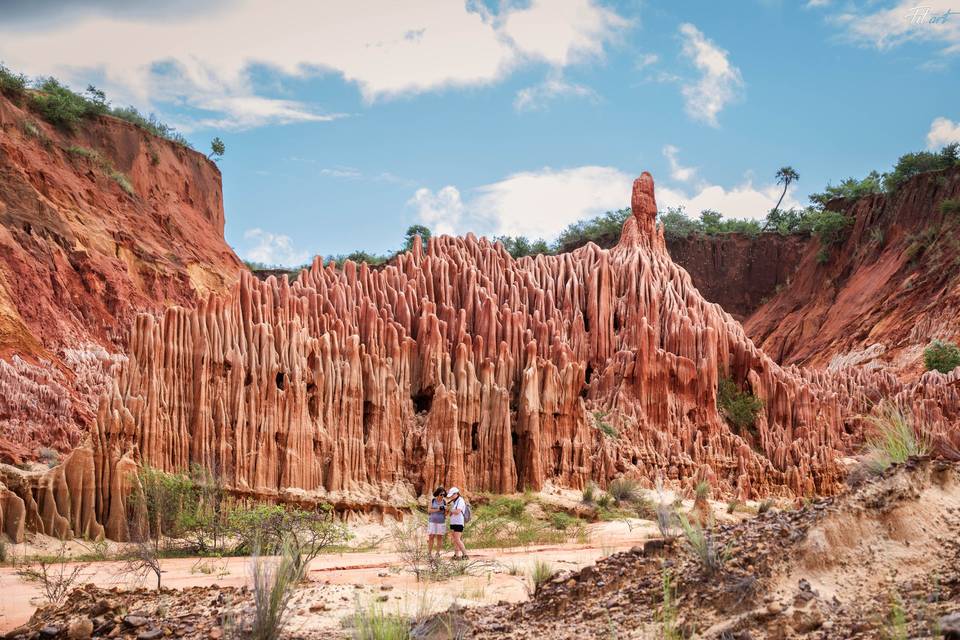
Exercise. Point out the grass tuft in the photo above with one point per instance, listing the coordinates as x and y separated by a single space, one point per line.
540 574
894 438
624 490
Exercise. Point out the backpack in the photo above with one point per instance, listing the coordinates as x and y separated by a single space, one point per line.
466 511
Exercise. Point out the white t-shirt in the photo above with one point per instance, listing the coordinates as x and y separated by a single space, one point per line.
459 503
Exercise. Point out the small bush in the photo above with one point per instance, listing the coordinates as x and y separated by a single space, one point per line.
623 490
273 585
823 255
55 577
63 108
702 490
830 227
894 438
149 124
562 520
12 84
877 236
604 501
589 493
765 506
941 356
738 407
703 545
732 506
911 164
3 550
950 206
103 165
850 188
371 622
541 574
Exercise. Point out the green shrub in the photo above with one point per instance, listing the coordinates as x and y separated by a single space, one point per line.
603 230
740 408
149 124
941 356
823 255
562 520
520 246
850 188
12 85
121 179
911 164
607 429
60 106
604 501
830 227
950 206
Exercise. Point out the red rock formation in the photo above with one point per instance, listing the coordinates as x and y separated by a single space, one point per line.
80 257
457 364
892 287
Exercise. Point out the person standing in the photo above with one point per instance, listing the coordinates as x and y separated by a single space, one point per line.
456 507
436 521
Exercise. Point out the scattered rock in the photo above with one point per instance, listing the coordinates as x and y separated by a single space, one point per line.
80 629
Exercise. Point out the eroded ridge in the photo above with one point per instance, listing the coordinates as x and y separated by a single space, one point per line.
456 364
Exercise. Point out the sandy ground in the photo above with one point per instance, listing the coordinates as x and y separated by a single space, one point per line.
337 582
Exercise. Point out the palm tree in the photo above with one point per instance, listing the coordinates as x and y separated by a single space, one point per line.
785 175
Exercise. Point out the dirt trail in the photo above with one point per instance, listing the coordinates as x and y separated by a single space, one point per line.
338 580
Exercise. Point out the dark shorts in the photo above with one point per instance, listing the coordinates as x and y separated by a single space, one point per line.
456 527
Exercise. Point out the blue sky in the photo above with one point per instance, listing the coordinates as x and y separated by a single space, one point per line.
347 122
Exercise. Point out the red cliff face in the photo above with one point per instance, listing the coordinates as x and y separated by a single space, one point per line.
739 272
457 364
892 286
80 257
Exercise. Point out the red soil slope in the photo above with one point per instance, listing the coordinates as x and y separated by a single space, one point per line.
893 285
80 257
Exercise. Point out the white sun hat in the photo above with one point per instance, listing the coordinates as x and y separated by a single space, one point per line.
453 491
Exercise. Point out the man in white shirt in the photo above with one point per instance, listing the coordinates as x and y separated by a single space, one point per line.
456 505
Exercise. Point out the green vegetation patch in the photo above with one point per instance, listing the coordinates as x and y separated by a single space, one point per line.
740 408
941 356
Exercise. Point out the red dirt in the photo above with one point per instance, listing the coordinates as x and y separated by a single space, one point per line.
80 257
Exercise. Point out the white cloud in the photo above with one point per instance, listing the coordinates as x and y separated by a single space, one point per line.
942 132
204 59
742 201
272 249
562 32
441 211
720 82
908 20
678 171
341 172
646 60
811 4
540 204
554 86
536 204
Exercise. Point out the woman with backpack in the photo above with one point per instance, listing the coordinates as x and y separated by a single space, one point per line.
459 512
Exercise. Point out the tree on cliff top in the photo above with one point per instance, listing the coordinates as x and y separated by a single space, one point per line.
217 148
785 176
413 231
